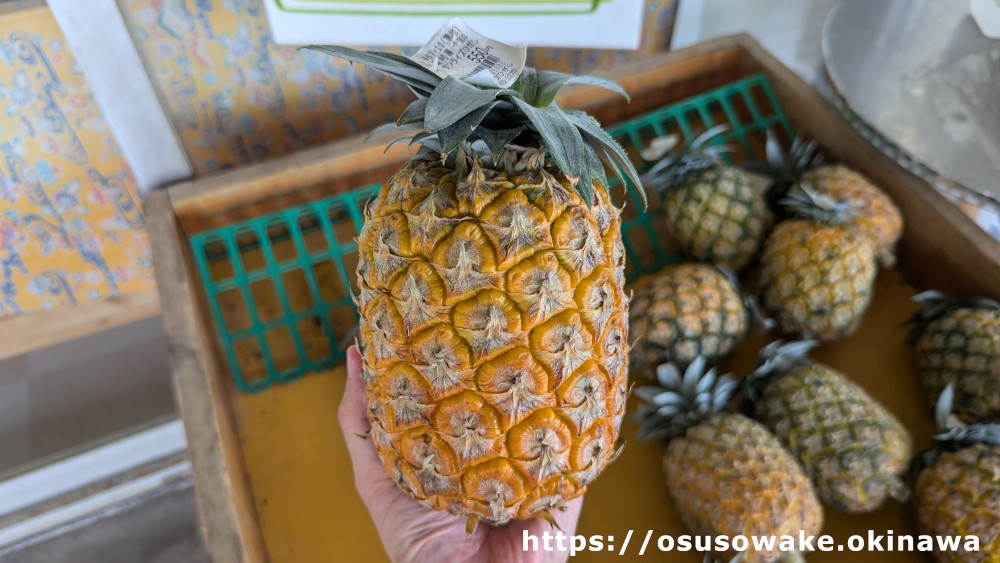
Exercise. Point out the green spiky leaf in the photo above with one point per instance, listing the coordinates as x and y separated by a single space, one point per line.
457 133
395 66
497 139
550 82
607 149
454 99
414 113
564 142
526 84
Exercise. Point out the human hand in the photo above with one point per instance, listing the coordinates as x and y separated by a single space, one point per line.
413 533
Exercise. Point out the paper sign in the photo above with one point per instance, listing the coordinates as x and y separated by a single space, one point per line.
605 24
458 50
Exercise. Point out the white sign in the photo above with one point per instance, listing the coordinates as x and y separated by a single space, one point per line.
605 24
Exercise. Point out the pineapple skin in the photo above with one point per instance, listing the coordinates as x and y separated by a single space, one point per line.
729 476
959 495
877 214
689 310
851 446
718 216
493 335
962 347
816 281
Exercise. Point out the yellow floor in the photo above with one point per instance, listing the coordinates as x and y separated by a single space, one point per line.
310 511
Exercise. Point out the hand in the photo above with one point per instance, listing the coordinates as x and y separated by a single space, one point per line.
413 533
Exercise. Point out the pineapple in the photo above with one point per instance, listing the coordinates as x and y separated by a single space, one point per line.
852 447
802 163
713 211
957 488
817 272
493 315
687 311
958 342
727 474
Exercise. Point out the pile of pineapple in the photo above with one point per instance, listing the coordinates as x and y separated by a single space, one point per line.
495 325
810 245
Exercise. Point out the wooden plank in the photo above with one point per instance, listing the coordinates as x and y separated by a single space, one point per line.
232 532
303 176
33 331
941 246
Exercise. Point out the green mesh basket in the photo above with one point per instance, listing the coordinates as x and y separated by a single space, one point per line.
280 285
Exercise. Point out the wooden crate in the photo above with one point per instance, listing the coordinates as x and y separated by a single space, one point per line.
271 472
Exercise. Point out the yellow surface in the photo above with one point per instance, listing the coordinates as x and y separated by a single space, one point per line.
71 229
310 511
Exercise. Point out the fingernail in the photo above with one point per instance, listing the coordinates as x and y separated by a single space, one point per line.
353 361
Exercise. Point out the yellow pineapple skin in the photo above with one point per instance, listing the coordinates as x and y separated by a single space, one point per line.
493 333
877 214
816 281
851 446
688 310
962 348
959 495
729 476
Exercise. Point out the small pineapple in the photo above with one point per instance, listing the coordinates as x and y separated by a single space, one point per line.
728 475
689 310
817 272
713 210
802 162
493 321
957 488
852 447
957 342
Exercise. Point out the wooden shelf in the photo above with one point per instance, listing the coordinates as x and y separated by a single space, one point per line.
32 331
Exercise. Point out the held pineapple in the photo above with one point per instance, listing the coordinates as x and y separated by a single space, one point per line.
493 318
689 310
876 212
727 474
854 449
957 489
958 342
713 211
817 272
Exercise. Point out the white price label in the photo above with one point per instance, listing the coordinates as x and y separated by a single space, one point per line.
459 51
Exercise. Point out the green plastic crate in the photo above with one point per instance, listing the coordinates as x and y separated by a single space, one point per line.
236 261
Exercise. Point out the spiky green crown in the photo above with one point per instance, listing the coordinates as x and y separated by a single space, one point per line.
786 167
774 360
936 304
952 434
805 202
681 401
696 155
450 113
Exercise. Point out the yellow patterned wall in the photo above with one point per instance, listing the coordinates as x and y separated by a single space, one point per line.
235 97
70 226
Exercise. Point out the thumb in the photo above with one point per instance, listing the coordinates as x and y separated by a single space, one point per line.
353 406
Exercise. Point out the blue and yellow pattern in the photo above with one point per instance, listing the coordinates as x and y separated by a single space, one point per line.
70 225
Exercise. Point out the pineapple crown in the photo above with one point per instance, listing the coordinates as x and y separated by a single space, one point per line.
776 359
679 401
674 167
935 305
953 434
785 167
450 114
804 201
